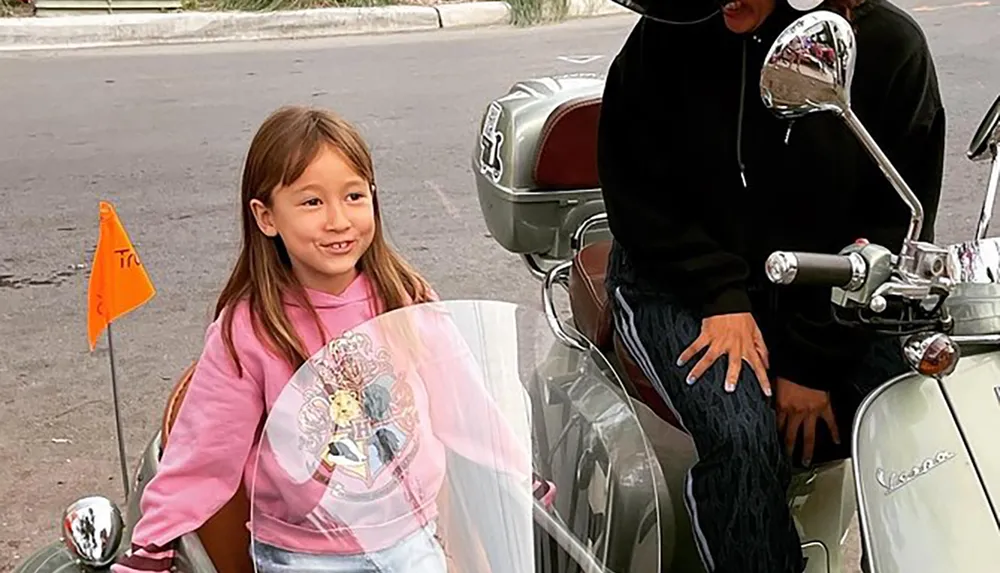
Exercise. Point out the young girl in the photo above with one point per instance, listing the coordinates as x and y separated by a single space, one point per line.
314 265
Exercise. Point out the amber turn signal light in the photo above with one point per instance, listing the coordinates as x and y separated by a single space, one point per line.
932 353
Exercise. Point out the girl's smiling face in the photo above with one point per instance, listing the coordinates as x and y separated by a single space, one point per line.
325 219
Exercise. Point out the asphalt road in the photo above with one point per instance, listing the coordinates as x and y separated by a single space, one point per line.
161 132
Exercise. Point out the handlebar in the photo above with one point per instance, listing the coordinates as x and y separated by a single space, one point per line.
868 288
844 271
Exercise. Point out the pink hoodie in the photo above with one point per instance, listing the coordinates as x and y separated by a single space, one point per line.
364 497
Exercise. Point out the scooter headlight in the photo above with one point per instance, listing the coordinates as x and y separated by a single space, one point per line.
932 353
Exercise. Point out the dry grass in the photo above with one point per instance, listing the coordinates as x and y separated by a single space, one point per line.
14 8
530 12
523 12
272 5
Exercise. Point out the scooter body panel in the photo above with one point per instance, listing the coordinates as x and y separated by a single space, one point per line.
975 399
823 505
922 505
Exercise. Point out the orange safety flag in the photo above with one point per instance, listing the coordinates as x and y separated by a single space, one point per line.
118 281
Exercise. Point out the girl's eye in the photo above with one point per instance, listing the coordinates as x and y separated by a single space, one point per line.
355 196
311 202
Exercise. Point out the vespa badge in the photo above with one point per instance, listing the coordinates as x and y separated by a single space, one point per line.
895 480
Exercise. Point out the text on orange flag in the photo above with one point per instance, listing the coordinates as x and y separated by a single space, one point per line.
118 281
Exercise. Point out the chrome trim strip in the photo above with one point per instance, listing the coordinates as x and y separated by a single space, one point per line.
859 272
560 274
576 241
976 338
534 268
986 213
826 552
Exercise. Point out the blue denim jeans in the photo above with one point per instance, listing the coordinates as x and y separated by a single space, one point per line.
420 552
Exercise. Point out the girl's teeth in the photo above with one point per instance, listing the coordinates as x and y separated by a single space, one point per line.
731 6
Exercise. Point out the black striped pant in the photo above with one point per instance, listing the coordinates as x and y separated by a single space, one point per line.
736 492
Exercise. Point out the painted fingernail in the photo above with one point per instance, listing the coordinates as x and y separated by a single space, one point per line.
806 462
690 380
730 387
767 391
680 362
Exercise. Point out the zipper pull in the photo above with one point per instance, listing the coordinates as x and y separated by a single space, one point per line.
788 133
743 176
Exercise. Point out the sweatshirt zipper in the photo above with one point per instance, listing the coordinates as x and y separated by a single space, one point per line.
739 125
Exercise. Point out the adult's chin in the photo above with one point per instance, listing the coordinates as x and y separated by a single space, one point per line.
740 25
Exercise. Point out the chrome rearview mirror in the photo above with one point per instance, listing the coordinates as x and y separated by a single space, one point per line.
809 69
987 139
92 531
810 66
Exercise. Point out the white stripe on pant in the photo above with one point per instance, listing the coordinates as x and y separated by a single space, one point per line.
630 337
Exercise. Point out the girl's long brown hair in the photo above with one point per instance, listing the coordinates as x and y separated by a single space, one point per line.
284 146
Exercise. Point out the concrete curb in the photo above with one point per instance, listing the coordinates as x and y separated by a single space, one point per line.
62 32
473 14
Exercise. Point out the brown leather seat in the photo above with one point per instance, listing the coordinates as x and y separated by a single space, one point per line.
224 535
588 300
647 394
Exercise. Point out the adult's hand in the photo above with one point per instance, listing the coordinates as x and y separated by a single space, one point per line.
736 336
800 407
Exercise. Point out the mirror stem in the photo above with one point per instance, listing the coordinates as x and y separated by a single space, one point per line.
916 209
991 195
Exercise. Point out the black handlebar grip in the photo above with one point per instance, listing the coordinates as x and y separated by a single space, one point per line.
844 271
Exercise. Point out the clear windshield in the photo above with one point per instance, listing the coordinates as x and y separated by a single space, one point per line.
458 436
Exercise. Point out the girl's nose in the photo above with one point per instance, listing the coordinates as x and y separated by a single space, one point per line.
336 216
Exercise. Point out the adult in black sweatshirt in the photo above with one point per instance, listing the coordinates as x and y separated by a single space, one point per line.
701 183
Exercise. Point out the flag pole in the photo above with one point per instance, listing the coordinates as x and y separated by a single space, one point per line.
118 416
107 300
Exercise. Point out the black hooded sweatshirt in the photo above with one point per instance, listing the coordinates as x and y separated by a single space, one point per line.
701 182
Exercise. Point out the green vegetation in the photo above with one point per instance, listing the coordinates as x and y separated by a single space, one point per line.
531 12
12 8
272 5
523 12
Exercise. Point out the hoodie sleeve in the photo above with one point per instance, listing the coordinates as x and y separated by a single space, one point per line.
638 166
202 464
912 135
